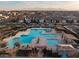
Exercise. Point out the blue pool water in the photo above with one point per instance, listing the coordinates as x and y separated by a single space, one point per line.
34 33
53 42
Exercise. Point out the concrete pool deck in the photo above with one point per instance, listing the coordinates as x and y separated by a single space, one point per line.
23 32
42 42
17 35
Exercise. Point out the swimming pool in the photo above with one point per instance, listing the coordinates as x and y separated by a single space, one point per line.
34 33
53 42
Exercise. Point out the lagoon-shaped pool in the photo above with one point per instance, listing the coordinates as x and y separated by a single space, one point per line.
35 33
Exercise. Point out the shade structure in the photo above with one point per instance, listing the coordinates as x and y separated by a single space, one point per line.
67 48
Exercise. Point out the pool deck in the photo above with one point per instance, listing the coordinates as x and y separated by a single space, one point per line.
17 35
42 41
23 33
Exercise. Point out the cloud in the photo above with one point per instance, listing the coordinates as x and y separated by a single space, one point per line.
64 5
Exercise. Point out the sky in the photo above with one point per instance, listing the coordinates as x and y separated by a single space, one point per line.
39 5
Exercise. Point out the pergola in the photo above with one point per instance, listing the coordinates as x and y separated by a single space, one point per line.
70 38
65 47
